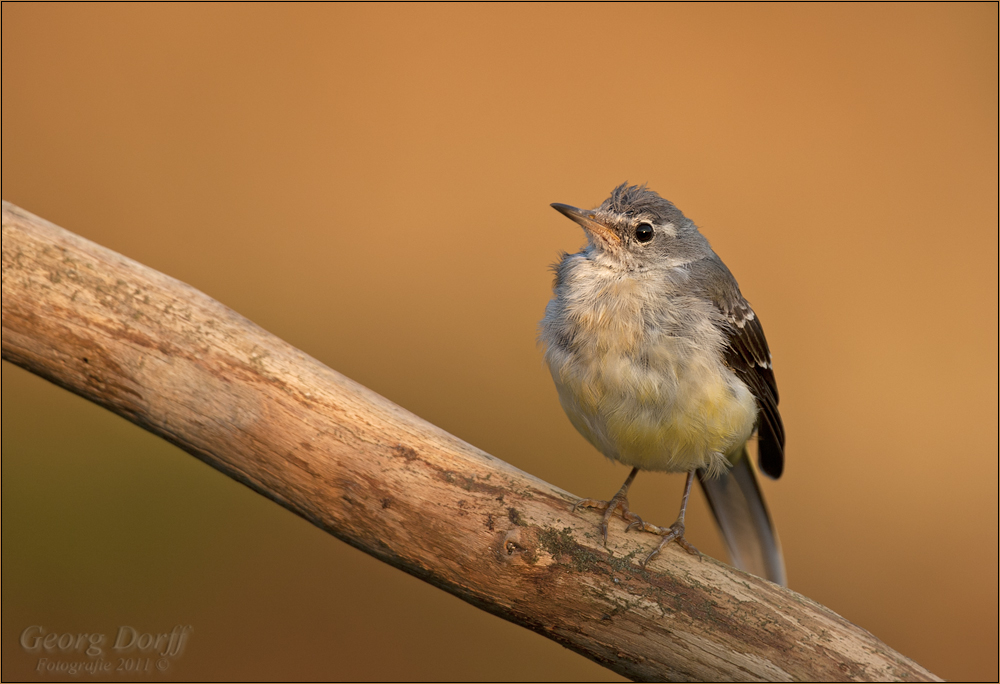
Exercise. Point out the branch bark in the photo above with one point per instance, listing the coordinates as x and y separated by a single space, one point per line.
183 366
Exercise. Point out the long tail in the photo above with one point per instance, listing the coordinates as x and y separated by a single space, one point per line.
742 517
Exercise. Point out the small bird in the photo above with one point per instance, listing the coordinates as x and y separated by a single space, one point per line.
662 364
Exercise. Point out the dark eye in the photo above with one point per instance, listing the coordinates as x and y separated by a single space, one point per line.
644 232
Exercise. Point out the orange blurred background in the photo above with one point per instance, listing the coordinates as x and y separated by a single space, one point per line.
371 183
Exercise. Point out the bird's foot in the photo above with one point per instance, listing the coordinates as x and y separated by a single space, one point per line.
618 502
674 533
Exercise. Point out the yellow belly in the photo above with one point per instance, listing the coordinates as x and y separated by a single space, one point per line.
632 379
658 404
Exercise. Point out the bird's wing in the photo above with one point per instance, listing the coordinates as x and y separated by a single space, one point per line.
747 354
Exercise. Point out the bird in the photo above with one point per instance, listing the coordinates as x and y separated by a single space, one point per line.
662 364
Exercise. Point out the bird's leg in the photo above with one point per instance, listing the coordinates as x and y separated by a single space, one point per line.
673 533
619 500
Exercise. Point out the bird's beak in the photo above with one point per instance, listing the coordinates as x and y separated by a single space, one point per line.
589 222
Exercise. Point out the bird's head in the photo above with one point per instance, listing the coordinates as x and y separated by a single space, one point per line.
635 229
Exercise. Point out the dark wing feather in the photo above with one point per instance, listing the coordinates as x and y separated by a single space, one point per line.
747 354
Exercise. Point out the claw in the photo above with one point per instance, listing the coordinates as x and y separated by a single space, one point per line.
636 522
674 533
619 501
609 507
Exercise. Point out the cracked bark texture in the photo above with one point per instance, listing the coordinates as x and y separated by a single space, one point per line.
185 367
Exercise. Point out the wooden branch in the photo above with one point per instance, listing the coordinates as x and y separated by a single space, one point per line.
185 367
